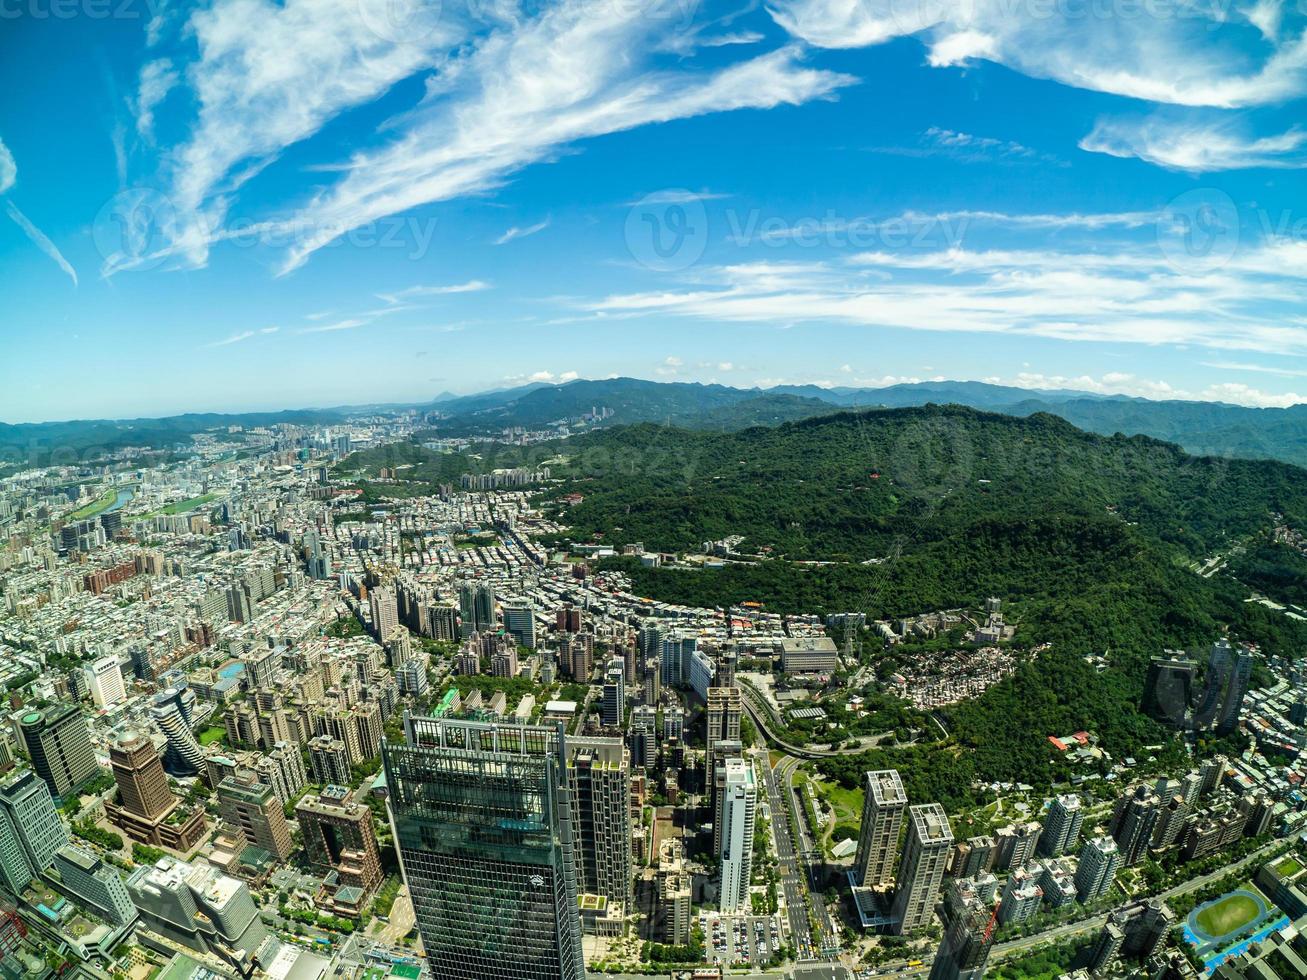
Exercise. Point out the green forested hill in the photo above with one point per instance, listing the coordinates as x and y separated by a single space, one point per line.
852 485
1088 539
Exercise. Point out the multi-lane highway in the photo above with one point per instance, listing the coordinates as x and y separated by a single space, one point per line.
787 858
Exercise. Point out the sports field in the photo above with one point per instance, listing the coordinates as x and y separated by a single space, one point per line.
1229 915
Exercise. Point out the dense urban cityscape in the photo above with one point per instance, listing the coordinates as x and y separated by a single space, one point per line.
276 705
677 489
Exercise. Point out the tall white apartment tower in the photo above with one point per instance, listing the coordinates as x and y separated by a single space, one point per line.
737 806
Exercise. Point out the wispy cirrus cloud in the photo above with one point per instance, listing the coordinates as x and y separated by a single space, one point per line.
506 89
418 292
237 338
573 73
8 178
158 78
1181 54
1196 145
516 232
1122 293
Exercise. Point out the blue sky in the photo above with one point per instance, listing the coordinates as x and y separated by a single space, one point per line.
246 204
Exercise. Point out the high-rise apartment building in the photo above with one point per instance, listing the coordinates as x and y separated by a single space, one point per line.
737 804
184 756
1062 826
926 855
1136 816
725 708
1099 861
484 826
883 804
968 938
613 703
601 816
385 612
338 836
59 745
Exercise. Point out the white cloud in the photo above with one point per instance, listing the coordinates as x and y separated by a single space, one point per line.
1241 394
236 338
515 232
157 79
416 292
675 196
39 239
1195 146
270 74
670 366
1118 293
1185 53
8 169
9 177
520 98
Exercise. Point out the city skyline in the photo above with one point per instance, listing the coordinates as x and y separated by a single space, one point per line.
809 193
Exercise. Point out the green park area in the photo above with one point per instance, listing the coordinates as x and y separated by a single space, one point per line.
182 506
1229 915
100 503
213 733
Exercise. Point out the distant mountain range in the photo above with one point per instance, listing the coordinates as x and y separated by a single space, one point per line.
1208 428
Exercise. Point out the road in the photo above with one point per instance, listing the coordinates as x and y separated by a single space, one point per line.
829 938
787 860
761 719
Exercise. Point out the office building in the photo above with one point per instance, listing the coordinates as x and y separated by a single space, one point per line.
146 809
31 832
198 907
921 871
253 807
59 745
1099 860
1061 831
89 880
883 804
737 803
485 831
520 623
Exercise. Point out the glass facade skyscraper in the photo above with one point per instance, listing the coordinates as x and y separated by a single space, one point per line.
483 822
